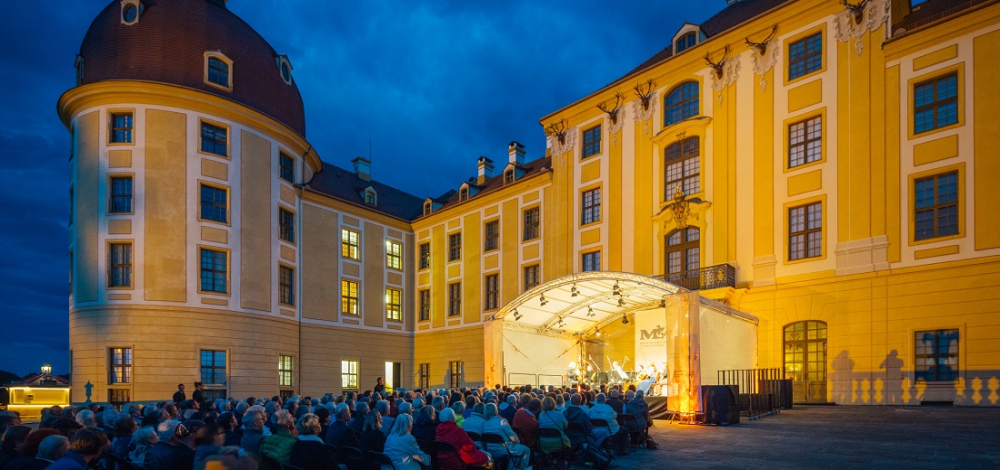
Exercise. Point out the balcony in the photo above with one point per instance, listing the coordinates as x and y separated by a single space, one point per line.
711 277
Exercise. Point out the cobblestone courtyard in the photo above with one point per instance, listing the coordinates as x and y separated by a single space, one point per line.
838 437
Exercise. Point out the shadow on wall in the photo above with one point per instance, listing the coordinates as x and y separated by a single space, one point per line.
893 384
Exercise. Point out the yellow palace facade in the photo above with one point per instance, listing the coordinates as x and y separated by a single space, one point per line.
823 168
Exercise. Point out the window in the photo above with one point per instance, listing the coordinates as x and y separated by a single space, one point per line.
936 355
805 141
463 194
427 208
425 305
425 255
349 375
118 396
286 168
683 167
683 258
454 299
285 69
349 297
71 274
120 366
214 139
936 205
214 204
492 291
79 70
424 379
130 12
492 241
285 371
531 223
120 265
592 261
393 309
592 141
805 231
286 285
286 225
591 206
371 198
218 72
455 246
393 255
686 42
456 370
935 103
213 367
681 103
214 267
121 128
805 56
530 277
350 244
508 177
121 195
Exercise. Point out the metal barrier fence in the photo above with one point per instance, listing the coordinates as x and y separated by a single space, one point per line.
535 380
762 392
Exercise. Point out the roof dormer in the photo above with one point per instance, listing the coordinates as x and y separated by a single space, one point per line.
687 37
370 196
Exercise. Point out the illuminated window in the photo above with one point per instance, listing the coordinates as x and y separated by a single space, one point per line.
119 396
120 265
425 255
935 103
492 237
681 103
805 56
531 224
936 355
530 277
805 141
349 375
686 41
286 168
393 255
805 231
214 139
936 206
455 246
120 366
590 206
424 379
121 195
213 367
285 371
592 261
455 299
393 307
286 225
425 305
492 292
350 244
592 141
682 161
121 128
286 285
214 204
349 297
214 267
456 373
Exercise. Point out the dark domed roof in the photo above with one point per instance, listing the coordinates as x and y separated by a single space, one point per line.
168 45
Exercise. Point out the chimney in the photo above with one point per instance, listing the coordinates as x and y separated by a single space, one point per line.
363 168
516 152
485 170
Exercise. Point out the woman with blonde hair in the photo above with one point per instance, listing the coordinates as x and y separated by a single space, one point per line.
309 452
372 439
401 447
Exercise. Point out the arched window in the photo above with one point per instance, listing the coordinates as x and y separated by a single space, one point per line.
682 167
686 42
805 360
681 103
683 258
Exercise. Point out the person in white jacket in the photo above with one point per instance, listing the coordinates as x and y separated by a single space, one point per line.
602 410
495 424
402 448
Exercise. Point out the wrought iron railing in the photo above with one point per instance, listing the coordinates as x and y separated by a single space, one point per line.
711 277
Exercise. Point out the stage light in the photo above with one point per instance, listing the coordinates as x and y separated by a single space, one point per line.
573 292
621 302
517 316
598 333
625 319
561 323
617 290
590 311
542 300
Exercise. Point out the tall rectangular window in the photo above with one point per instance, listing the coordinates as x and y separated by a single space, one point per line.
214 139
456 373
121 128
120 265
455 246
530 277
591 261
424 377
214 204
349 375
285 371
805 231
936 206
286 225
213 367
592 141
531 223
425 255
393 304
805 56
935 103
349 297
393 255
936 355
286 168
455 299
492 236
214 267
120 370
119 396
286 285
492 292
121 195
425 305
590 206
218 72
805 141
350 244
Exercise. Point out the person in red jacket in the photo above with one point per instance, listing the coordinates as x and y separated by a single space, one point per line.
449 432
526 422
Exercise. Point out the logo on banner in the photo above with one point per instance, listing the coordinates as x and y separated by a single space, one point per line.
658 333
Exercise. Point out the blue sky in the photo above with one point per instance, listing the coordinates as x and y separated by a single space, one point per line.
433 85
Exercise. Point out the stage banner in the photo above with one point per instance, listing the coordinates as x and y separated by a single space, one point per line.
650 338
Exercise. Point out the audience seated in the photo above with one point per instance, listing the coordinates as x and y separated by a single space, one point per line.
85 446
401 447
340 434
372 439
639 408
602 411
175 449
276 450
467 453
28 450
495 424
253 431
142 440
12 440
309 452
425 424
526 421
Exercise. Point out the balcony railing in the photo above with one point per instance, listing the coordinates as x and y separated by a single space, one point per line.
711 277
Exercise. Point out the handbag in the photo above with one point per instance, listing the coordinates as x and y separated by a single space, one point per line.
549 446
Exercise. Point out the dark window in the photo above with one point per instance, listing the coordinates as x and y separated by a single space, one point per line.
425 305
286 167
425 255
424 381
130 14
805 141
936 355
508 177
286 72
531 223
286 285
349 375
454 299
120 265
121 195
371 198
492 241
214 267
456 371
935 103
393 308
349 297
682 161
805 56
454 246
591 207
121 128
214 204
681 103
218 72
592 261
592 141
393 255
213 367
936 205
805 231
492 291
686 42
285 370
530 277
120 370
286 225
214 139
427 208
350 244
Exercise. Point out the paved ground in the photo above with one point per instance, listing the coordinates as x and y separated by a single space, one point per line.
837 437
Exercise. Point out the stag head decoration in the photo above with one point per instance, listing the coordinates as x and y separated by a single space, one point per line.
645 92
719 65
612 112
761 47
558 130
856 9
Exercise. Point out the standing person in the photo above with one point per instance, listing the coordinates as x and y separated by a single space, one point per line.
199 395
379 387
179 395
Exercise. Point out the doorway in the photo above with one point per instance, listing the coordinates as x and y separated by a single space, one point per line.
805 360
393 373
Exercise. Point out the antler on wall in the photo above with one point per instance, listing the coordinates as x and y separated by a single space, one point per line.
645 92
856 9
761 47
717 66
612 112
558 130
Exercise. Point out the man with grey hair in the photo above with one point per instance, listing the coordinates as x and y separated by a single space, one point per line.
382 407
253 430
357 424
339 434
51 448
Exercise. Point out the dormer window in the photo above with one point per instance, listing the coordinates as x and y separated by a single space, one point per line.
508 176
686 41
285 68
687 37
463 194
427 208
131 11
218 70
371 198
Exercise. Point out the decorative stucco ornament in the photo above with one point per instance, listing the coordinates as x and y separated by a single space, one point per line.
645 113
873 14
564 143
730 73
616 125
763 63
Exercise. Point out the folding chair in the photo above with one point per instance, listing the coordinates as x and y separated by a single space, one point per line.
600 423
477 439
556 458
380 460
488 439
354 458
637 432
